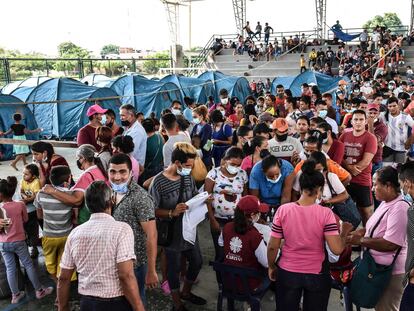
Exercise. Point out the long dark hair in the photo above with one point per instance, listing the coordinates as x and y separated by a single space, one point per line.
241 224
311 179
41 146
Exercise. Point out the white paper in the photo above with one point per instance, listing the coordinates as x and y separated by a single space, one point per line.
264 230
196 213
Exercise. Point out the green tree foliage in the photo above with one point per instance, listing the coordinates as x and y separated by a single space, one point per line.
109 49
388 20
152 66
70 50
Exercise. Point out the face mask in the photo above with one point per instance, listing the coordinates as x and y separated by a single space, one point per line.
120 188
282 137
110 124
223 113
176 111
258 109
255 218
103 119
280 95
125 123
274 181
232 169
324 137
390 87
224 101
323 113
184 171
79 164
307 154
407 196
264 153
196 120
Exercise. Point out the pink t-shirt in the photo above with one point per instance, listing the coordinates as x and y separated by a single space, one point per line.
393 228
88 176
247 164
16 211
135 168
304 229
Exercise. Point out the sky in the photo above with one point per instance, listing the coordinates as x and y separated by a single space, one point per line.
40 25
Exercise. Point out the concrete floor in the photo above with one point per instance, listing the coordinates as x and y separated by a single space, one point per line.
206 288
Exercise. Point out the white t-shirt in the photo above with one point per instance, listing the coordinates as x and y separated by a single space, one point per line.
224 205
168 147
336 184
284 149
333 124
397 130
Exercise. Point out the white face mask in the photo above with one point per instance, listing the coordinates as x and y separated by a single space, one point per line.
274 181
176 111
232 169
224 101
223 113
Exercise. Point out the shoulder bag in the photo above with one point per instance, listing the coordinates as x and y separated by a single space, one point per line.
165 226
370 279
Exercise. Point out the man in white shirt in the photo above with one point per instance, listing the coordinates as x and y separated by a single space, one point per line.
169 122
322 112
282 145
398 140
134 129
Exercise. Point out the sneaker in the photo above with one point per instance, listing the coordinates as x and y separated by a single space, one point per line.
166 288
17 297
195 300
41 293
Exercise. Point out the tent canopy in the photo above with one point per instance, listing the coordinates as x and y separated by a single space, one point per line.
9 105
236 86
29 82
285 81
146 95
94 78
64 119
198 89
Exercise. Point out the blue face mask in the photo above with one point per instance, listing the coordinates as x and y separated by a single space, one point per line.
120 188
184 171
408 198
323 113
196 120
274 181
103 119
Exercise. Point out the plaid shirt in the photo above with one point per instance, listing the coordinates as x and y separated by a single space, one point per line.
94 249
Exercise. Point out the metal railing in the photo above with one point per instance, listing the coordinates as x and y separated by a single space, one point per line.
400 29
16 69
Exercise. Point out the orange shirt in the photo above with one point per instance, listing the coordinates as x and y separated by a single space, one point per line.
333 167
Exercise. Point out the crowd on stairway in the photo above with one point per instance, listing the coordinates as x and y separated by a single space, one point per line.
291 187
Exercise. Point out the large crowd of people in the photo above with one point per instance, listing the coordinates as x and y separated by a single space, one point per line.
290 186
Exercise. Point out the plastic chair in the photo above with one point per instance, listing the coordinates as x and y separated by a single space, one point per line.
228 279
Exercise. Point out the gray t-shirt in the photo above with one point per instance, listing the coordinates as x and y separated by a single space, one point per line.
165 193
168 147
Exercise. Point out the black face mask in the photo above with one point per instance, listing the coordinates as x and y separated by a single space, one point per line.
280 95
110 124
79 164
324 137
264 153
282 137
125 123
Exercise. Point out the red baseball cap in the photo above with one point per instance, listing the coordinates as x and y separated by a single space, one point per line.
250 204
280 124
373 106
94 109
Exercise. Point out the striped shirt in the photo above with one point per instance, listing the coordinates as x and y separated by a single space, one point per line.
57 217
409 264
397 130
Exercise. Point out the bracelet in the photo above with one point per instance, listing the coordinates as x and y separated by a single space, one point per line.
170 214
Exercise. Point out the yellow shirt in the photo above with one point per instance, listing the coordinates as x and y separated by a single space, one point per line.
382 52
302 62
30 189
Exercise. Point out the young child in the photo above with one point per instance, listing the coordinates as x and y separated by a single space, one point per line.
19 133
29 187
13 243
57 220
302 63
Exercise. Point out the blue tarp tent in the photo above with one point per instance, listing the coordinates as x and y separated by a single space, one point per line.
64 119
94 78
285 81
10 105
146 95
198 89
345 37
236 86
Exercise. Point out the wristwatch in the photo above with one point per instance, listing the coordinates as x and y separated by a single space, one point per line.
170 214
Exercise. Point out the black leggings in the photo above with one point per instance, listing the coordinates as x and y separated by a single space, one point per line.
290 287
407 301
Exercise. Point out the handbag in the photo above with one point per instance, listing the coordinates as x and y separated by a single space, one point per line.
165 227
370 279
199 171
347 210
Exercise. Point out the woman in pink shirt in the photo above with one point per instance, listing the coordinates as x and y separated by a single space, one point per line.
257 150
13 241
389 236
125 144
304 226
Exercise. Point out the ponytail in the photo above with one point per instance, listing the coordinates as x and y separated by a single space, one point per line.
97 161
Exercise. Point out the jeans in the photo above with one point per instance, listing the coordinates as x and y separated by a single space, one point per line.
8 251
407 301
219 254
140 273
89 303
290 287
195 262
266 38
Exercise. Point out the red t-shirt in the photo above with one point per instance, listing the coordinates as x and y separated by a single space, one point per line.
235 120
355 147
239 249
86 135
381 132
336 152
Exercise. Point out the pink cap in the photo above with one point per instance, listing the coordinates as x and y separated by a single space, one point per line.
94 109
373 106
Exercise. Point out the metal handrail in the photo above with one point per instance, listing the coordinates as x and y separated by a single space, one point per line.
403 29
